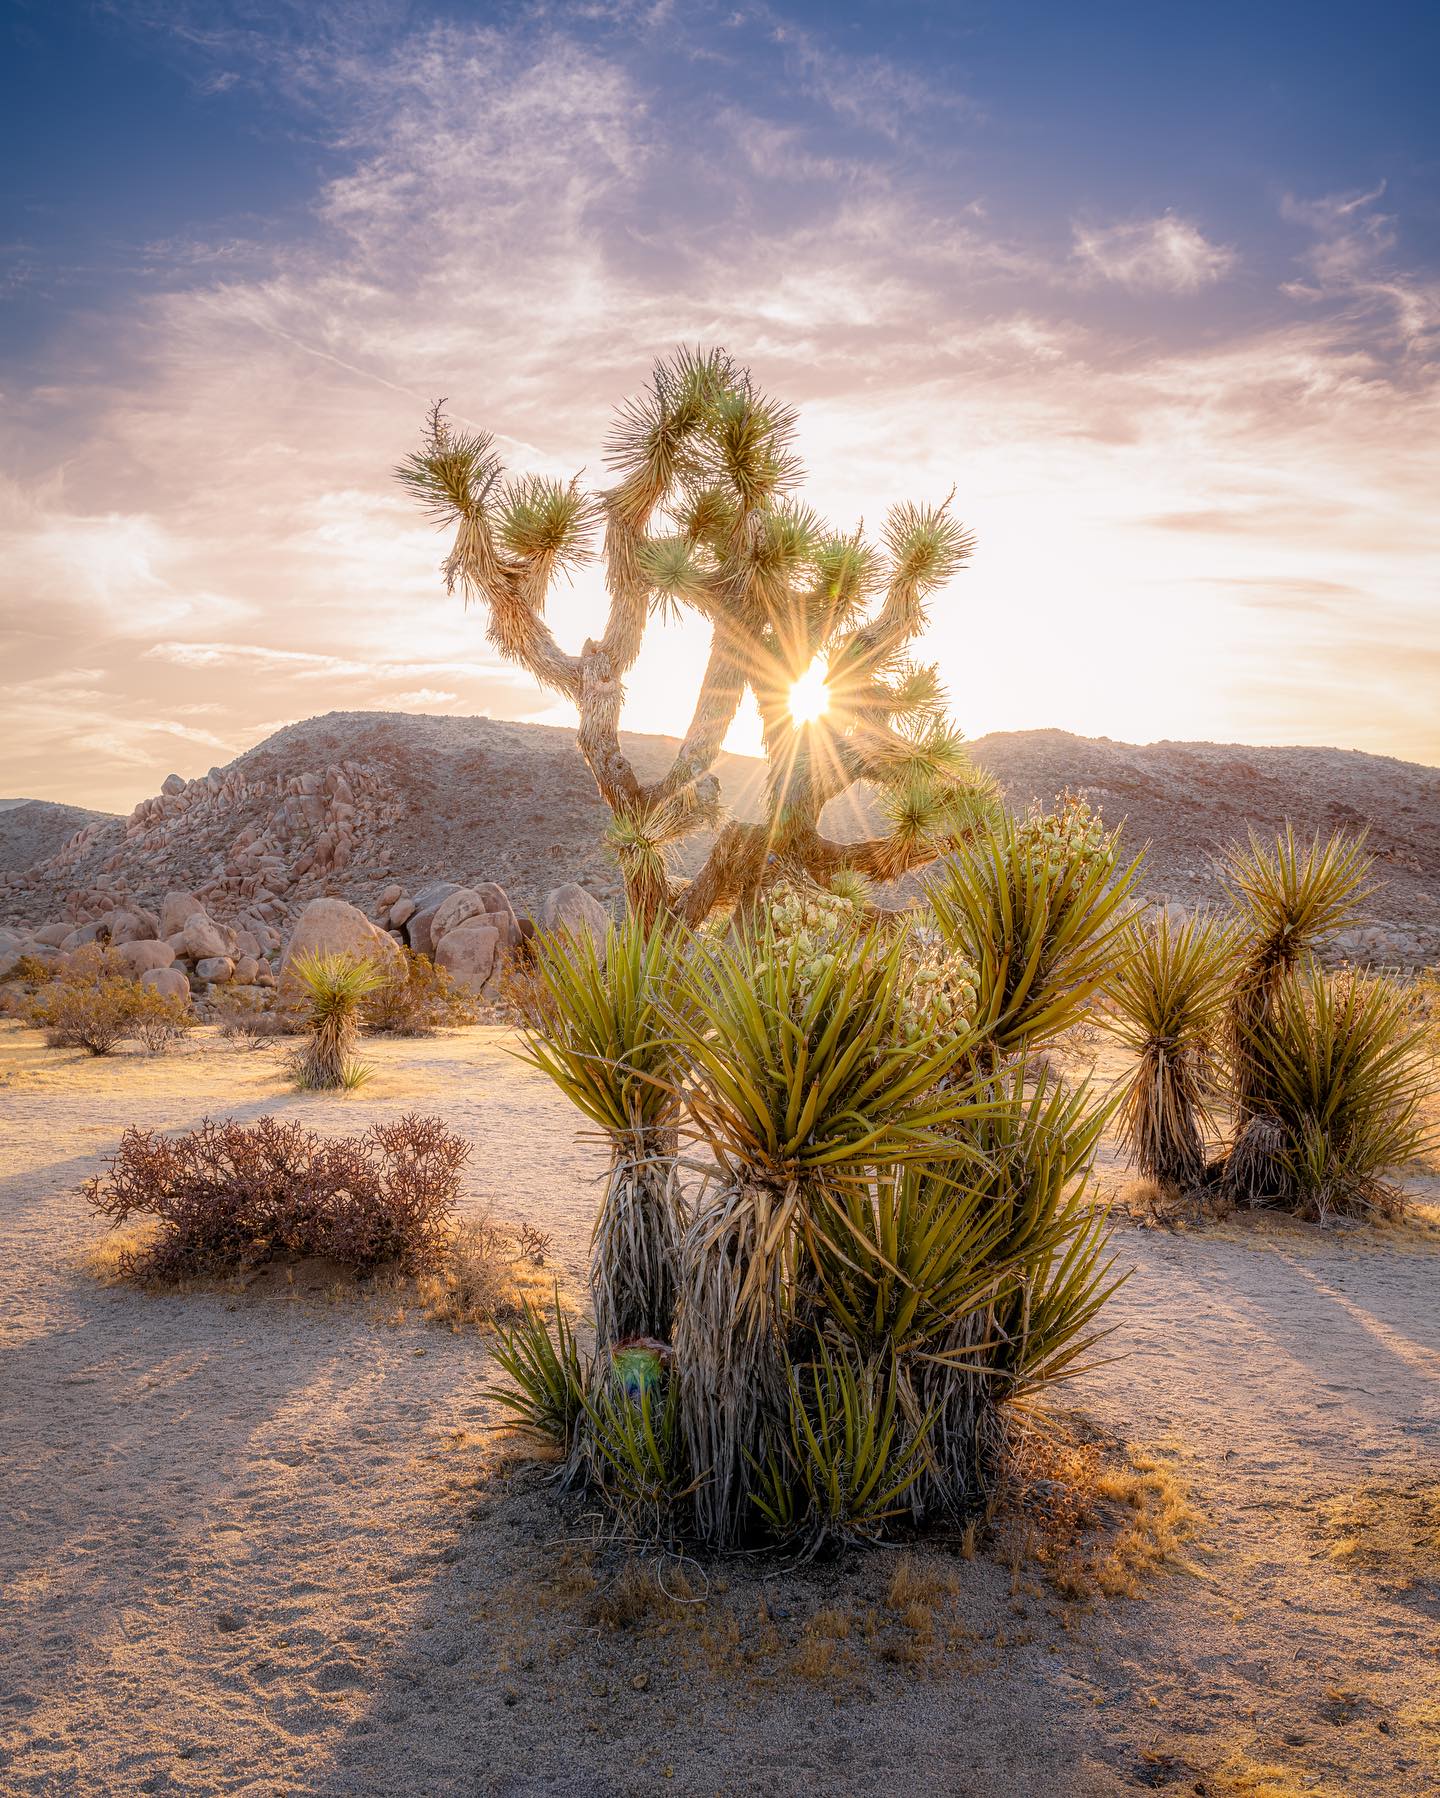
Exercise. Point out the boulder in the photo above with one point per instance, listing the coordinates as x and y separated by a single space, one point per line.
133 926
461 905
202 937
569 910
427 902
470 955
332 927
400 912
215 970
246 968
52 935
140 957
175 908
173 784
501 913
170 983
388 897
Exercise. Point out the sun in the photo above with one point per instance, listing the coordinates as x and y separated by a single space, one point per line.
809 696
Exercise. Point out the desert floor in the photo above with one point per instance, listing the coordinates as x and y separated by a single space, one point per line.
264 1541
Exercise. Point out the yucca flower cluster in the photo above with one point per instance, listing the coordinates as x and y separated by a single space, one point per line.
1072 837
815 924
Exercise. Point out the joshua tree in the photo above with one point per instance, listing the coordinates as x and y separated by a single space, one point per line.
703 516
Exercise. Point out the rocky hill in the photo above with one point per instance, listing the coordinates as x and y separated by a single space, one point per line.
354 802
32 829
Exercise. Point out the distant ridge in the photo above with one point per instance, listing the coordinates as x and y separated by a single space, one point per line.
402 798
31 829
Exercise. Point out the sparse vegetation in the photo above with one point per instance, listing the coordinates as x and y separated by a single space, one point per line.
417 999
230 1196
95 1007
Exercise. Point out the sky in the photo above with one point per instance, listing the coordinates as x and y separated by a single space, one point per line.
1156 289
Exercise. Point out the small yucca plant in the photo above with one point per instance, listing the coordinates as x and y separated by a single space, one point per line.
843 1465
1290 899
1338 1072
602 1031
335 988
1167 998
548 1397
1035 906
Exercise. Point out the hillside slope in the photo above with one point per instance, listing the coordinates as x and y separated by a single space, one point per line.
350 800
32 829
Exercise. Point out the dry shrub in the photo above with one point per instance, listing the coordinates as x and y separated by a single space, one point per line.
231 1196
485 1278
95 1007
164 1022
29 970
418 1001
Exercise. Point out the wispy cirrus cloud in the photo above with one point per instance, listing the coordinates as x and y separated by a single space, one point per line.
1158 255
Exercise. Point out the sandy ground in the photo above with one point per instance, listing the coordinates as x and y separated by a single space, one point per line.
260 1544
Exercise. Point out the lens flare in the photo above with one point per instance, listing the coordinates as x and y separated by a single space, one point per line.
809 696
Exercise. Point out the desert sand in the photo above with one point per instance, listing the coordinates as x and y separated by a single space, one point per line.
265 1541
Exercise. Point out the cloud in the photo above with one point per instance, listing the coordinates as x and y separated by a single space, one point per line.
522 220
1159 255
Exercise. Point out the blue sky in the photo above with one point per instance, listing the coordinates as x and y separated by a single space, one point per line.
1156 287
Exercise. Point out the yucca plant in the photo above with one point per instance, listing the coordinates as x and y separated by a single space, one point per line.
799 1079
551 1379
1290 899
1338 1072
603 1033
1167 998
335 988
843 1465
1036 907
1044 1280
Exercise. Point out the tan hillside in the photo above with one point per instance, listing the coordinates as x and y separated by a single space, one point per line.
352 801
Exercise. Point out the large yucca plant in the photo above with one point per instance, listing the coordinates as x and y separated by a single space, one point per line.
1337 1069
1167 997
1036 907
335 988
603 1032
799 1080
1290 898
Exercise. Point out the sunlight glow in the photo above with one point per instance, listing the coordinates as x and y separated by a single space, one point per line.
809 696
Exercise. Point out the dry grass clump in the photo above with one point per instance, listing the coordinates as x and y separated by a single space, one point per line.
487 1276
418 1000
1390 1533
1101 1516
229 1197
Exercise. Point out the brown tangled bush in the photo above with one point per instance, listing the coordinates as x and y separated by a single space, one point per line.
231 1196
417 1002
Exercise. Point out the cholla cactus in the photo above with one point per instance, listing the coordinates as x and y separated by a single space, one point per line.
815 622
